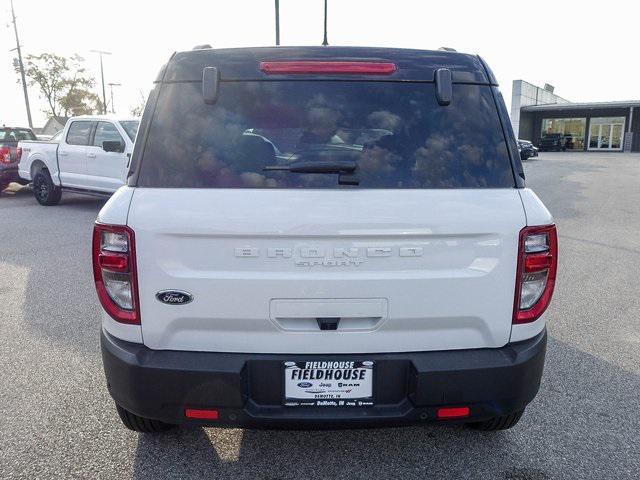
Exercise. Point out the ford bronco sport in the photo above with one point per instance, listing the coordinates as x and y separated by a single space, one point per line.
321 237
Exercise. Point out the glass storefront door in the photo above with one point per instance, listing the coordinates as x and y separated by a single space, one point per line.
617 131
606 133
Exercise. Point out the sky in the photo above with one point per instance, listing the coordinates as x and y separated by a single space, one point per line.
588 54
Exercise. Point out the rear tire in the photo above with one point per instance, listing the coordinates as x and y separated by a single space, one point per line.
141 424
503 422
44 190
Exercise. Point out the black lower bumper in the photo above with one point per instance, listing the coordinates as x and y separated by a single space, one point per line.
9 174
247 389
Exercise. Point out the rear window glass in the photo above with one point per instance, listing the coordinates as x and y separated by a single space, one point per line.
396 134
16 134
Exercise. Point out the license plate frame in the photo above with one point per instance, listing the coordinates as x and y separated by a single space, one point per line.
314 384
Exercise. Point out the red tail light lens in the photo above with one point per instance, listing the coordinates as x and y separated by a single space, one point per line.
5 154
536 274
114 272
18 153
114 262
313 66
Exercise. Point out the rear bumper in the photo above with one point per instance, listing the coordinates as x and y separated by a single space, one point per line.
247 389
9 173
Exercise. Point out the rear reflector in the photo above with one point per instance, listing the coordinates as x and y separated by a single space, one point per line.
201 414
301 67
453 412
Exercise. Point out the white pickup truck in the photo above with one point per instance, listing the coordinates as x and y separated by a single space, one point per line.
90 155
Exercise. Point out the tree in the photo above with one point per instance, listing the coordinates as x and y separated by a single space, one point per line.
139 108
79 101
64 83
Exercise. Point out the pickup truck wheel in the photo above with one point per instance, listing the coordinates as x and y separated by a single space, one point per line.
45 191
141 424
498 423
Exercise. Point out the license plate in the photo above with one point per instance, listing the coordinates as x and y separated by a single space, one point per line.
328 384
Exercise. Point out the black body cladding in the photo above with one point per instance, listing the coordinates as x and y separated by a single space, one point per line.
247 388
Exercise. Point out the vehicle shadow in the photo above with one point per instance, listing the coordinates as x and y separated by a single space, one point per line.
21 194
562 435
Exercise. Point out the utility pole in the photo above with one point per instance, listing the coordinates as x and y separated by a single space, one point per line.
22 76
325 42
111 85
277 22
104 93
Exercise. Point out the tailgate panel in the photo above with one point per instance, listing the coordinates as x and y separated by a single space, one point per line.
405 270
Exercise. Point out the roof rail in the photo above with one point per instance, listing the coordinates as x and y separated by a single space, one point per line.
202 47
447 49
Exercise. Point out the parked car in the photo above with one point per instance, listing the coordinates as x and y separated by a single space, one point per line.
526 149
275 261
90 155
10 153
552 142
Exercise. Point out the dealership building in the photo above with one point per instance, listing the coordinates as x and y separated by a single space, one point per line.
594 126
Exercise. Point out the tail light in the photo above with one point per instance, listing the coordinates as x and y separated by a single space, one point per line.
18 153
5 154
536 274
114 272
328 67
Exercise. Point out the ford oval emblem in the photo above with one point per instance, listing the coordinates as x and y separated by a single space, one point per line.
305 384
174 297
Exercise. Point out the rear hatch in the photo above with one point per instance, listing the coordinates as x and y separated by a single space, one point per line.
406 242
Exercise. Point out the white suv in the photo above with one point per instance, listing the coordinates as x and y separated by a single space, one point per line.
324 236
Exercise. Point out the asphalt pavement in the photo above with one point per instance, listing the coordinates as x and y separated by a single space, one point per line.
58 421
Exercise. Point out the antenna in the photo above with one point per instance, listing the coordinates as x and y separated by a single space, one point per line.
277 22
325 42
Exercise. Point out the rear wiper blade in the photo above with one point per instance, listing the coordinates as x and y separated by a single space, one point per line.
316 166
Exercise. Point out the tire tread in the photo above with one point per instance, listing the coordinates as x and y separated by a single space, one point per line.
503 422
141 424
55 192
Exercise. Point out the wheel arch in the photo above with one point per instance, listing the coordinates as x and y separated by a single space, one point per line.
37 166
